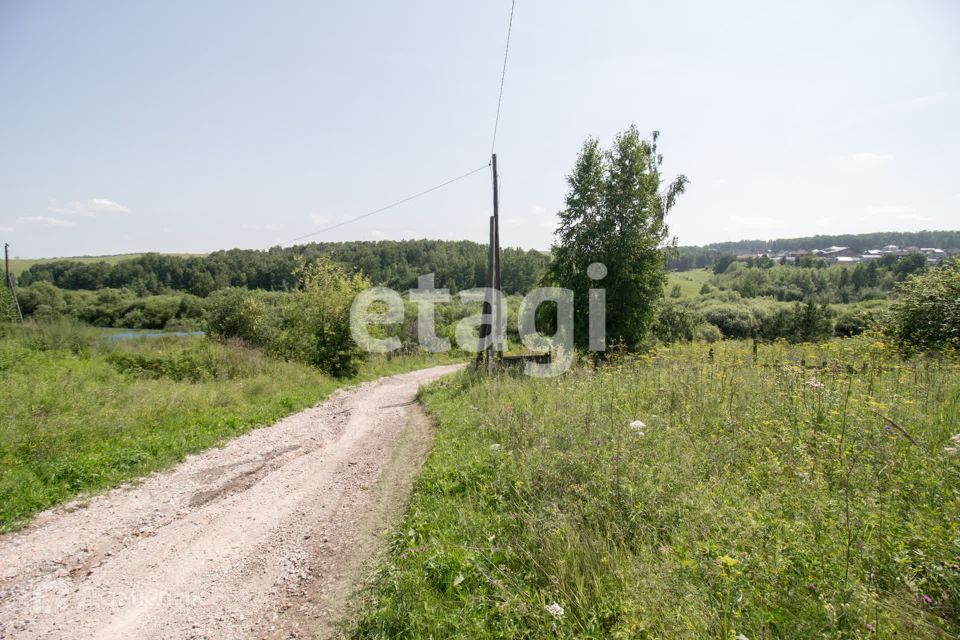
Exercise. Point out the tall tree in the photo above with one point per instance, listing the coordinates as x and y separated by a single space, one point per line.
615 214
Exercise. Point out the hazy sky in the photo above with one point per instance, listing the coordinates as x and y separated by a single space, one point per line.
193 126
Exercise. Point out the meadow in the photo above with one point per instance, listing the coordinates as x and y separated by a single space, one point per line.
699 491
81 413
687 283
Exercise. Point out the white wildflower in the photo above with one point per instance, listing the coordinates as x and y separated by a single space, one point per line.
638 426
955 439
555 610
495 447
813 383
740 636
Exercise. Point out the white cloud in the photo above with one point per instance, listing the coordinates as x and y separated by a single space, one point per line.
376 233
757 222
46 221
825 221
862 161
320 220
90 207
7 230
538 209
261 227
719 182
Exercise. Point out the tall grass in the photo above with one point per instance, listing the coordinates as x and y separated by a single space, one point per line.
702 492
81 414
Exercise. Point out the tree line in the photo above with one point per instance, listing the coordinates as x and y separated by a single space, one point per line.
396 264
700 257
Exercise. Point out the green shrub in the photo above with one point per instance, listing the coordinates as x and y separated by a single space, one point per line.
676 322
311 325
926 312
707 332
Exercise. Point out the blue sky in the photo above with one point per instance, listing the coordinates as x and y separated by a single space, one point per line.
193 126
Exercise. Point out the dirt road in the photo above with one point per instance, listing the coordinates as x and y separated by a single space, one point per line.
265 537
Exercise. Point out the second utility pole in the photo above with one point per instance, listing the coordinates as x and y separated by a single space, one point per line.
497 298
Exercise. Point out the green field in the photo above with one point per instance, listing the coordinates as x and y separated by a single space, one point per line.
807 491
690 282
81 414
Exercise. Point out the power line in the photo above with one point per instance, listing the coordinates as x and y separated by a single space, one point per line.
503 75
496 123
389 206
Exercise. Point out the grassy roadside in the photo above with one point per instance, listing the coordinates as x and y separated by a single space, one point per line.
756 500
81 414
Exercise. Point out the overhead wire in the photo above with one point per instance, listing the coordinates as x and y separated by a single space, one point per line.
496 123
503 76
384 208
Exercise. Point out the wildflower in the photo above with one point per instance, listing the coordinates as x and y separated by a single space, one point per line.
638 426
740 636
951 451
926 599
495 447
728 562
869 627
813 383
812 587
555 610
955 438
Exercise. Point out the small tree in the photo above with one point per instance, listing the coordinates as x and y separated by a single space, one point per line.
926 313
319 320
615 214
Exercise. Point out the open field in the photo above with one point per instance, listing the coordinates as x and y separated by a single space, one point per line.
701 492
81 414
690 282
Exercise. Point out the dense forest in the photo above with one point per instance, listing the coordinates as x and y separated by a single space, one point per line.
698 257
395 264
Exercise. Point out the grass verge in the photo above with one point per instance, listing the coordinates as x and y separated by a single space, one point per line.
81 414
702 492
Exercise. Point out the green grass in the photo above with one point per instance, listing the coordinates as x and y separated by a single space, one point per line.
81 414
690 282
766 498
19 265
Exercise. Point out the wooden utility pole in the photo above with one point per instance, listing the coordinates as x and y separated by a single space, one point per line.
498 302
483 351
492 303
10 284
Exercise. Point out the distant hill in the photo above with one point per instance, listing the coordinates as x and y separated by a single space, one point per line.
693 257
859 241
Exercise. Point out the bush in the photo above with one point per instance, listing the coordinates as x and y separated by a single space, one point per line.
675 322
238 313
706 332
926 314
854 320
311 325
